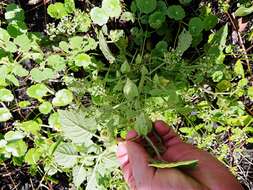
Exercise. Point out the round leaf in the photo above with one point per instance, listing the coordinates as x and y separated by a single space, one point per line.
146 6
37 91
6 95
156 19
83 60
195 25
45 107
176 12
112 7
57 10
62 98
99 16
5 114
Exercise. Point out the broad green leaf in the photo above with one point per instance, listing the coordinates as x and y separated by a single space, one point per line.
23 42
10 47
176 12
54 121
196 25
56 62
143 124
250 140
39 75
18 70
84 22
6 95
5 114
76 42
244 11
83 60
14 12
30 127
4 36
37 91
184 41
79 175
156 19
217 76
76 127
32 156
182 164
130 90
146 6
69 6
12 79
62 98
210 22
99 16
125 67
45 107
16 28
66 155
238 68
57 10
13 136
112 7
24 104
16 148
104 48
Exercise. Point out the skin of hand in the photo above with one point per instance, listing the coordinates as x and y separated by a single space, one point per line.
210 174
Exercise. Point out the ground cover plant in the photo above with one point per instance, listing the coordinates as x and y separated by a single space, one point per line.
78 75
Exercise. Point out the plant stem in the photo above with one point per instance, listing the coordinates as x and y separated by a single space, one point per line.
154 148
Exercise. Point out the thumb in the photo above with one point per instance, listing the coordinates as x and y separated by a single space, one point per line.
134 163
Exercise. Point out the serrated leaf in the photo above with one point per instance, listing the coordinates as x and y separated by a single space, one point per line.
66 155
184 41
76 127
63 97
182 164
79 175
104 48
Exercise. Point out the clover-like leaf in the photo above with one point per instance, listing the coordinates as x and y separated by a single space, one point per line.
196 25
62 98
37 91
99 16
156 19
5 114
146 6
45 107
176 12
57 10
6 95
112 7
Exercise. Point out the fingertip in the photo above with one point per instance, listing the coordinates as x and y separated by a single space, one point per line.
131 135
161 127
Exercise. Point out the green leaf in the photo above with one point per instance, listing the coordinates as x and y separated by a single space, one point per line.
32 156
99 16
83 60
250 140
4 36
76 127
185 2
69 6
45 107
57 10
130 90
238 69
125 67
176 12
13 136
20 71
217 76
54 121
14 12
37 91
210 22
76 42
5 114
56 62
146 6
112 7
182 164
6 95
30 127
244 11
104 48
79 175
17 148
184 41
250 92
156 19
16 28
24 104
62 98
195 26
84 22
23 42
143 125
66 155
41 75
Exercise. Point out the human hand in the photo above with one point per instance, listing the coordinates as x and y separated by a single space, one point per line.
210 174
